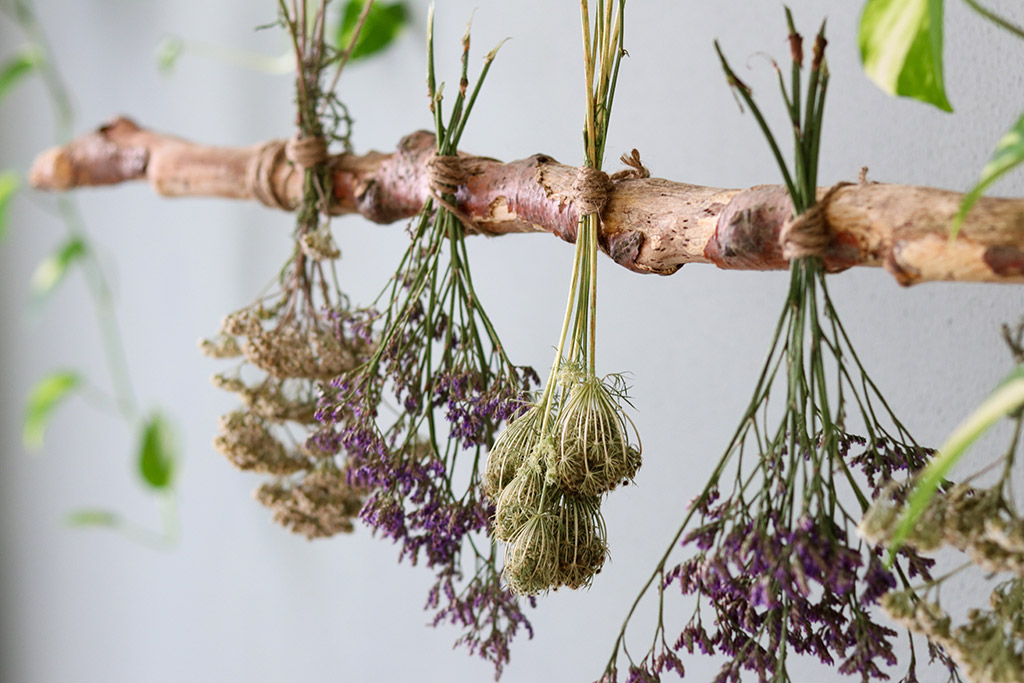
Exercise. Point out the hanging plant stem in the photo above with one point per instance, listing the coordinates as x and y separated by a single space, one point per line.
548 470
778 562
438 355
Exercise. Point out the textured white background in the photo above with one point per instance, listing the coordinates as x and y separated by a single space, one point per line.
239 599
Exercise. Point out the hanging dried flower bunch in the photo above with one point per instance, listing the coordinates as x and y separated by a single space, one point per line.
985 524
439 358
551 466
294 340
778 565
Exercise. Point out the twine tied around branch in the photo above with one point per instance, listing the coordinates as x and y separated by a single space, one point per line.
445 174
590 190
259 175
808 234
306 152
303 153
636 168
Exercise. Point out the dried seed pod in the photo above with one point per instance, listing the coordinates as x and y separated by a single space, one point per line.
520 500
510 450
582 541
532 556
593 432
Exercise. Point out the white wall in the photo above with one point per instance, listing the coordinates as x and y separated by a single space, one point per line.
240 599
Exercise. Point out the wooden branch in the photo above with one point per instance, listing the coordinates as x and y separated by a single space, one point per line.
650 225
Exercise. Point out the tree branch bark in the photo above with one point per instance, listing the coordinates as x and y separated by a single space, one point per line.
649 225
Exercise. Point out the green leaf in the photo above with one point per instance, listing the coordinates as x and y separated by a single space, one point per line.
156 453
92 517
44 397
52 269
383 25
901 48
1007 398
167 53
1008 155
9 182
17 67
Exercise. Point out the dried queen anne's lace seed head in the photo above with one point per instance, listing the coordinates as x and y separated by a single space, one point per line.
519 500
510 450
533 555
594 453
582 540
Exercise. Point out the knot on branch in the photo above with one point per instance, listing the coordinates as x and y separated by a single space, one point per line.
445 174
590 190
808 234
306 152
259 175
636 168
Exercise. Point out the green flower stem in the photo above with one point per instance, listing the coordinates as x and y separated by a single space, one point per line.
996 19
99 289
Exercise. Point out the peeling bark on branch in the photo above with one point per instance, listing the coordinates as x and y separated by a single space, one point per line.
650 225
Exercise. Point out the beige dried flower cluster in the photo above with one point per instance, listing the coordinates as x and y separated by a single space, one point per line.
547 473
269 433
979 522
987 648
321 504
286 347
319 245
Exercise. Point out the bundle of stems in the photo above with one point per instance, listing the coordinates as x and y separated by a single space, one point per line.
778 561
439 357
550 467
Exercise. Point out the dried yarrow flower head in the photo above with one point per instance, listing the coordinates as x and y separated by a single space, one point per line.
246 441
774 561
280 383
987 648
320 504
983 522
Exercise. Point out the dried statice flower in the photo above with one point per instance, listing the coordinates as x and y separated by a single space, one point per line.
439 361
774 561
